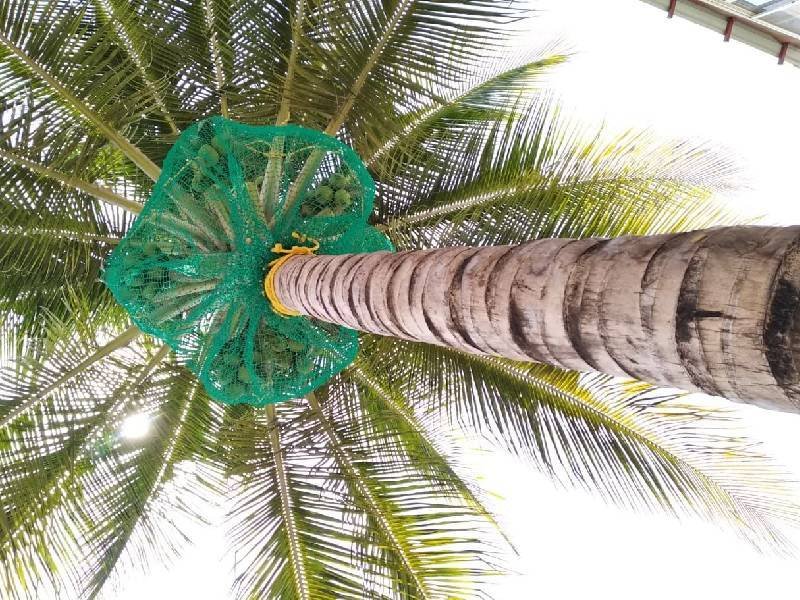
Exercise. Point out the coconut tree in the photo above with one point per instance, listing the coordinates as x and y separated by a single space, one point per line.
358 489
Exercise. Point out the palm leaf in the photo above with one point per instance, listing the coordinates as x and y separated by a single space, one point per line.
51 45
132 519
47 478
539 177
634 445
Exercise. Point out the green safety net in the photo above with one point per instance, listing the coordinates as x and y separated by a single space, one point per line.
190 271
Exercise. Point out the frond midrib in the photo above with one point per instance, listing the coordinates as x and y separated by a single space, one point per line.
297 30
657 446
100 193
40 396
287 512
77 236
216 57
355 477
355 89
126 146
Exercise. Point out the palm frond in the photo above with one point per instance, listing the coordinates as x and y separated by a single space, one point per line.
42 258
289 524
99 192
540 177
358 59
431 547
490 95
347 521
28 383
48 467
424 441
53 235
132 518
635 445
130 37
52 45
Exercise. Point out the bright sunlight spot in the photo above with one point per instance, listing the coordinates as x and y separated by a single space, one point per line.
135 427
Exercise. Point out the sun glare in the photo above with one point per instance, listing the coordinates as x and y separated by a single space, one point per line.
135 427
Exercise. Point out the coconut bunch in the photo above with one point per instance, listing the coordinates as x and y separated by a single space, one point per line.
331 197
171 293
274 358
191 269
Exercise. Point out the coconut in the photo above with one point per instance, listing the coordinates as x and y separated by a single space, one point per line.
181 196
342 198
305 365
150 249
199 182
221 141
207 156
282 361
264 369
130 260
236 390
149 291
295 346
338 181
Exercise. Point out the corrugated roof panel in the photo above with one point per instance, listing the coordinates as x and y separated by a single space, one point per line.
772 26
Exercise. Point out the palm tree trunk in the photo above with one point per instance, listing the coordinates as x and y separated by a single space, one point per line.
711 311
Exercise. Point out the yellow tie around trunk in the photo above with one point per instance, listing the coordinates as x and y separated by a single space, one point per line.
269 280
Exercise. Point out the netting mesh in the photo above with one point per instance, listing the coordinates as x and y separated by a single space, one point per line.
190 271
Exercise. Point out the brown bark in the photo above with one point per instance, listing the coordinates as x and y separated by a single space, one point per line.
713 311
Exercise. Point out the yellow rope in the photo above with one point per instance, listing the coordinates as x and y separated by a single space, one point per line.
269 280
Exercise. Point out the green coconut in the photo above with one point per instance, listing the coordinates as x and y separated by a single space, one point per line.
150 249
264 370
221 141
224 376
149 291
338 181
295 346
199 182
342 198
305 365
182 196
236 390
282 361
130 260
206 155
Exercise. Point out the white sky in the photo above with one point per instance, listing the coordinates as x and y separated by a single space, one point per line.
633 69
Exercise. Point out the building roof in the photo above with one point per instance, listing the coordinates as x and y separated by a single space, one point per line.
772 26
